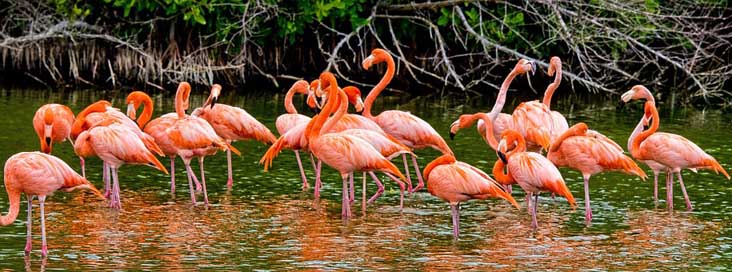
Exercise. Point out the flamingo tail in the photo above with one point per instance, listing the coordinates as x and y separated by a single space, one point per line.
272 153
152 146
714 165
233 149
560 188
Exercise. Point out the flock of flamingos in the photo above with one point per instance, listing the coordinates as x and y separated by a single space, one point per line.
530 143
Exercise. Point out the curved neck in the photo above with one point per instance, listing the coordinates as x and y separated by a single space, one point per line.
313 130
637 130
14 199
635 151
147 111
390 70
444 159
501 99
289 107
501 177
553 86
571 132
342 102
490 138
520 145
181 100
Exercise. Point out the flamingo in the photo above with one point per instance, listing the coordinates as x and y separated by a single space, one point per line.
38 174
533 172
343 152
409 129
292 118
189 136
455 181
671 150
52 123
590 153
232 124
555 69
116 144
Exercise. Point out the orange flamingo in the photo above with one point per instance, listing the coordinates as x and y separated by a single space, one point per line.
38 174
52 123
116 144
343 152
533 172
590 153
189 136
410 130
232 124
292 118
673 151
555 69
455 181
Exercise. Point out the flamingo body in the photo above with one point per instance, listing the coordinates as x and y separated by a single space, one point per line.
57 119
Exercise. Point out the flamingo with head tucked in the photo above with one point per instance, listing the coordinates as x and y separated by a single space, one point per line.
38 174
670 150
409 129
52 123
232 124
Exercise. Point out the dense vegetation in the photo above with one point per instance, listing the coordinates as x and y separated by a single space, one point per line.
446 46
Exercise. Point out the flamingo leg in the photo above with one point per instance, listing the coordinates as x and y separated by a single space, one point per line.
420 185
509 189
455 220
345 207
379 190
406 171
105 178
44 246
363 194
683 189
401 189
29 237
534 223
317 179
203 180
115 189
172 175
352 190
588 209
83 167
670 190
230 181
305 184
191 175
655 188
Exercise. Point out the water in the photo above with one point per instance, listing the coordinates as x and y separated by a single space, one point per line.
267 223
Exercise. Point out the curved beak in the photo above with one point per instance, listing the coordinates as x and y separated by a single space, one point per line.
533 68
367 62
502 156
359 104
131 112
214 100
454 128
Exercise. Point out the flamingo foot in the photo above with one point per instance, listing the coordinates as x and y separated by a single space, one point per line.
44 250
229 184
28 247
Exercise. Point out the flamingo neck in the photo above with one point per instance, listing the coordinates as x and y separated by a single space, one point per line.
502 177
490 138
637 130
180 103
147 111
501 99
553 86
314 128
571 132
650 106
289 107
14 199
342 103
388 76
442 160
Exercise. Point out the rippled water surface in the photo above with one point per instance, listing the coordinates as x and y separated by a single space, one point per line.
267 222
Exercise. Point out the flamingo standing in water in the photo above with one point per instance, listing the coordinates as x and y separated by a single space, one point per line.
345 153
189 136
673 151
232 124
38 174
533 172
455 181
292 118
590 153
116 144
52 123
410 130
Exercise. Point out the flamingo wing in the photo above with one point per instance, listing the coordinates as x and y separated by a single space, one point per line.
411 131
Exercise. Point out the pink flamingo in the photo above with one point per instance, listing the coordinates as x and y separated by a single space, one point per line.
555 69
232 124
590 153
673 151
52 123
292 118
38 174
455 181
410 130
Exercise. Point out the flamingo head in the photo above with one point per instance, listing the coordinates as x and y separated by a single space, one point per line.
524 66
465 120
354 97
79 123
213 97
377 56
638 92
554 64
134 100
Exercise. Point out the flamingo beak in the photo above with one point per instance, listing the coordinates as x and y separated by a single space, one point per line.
214 100
367 62
502 157
131 111
627 96
359 104
533 68
454 128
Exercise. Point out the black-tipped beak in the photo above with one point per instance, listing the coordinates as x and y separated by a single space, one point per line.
48 141
452 136
214 100
502 157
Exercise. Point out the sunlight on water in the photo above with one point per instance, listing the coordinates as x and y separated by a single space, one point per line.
267 222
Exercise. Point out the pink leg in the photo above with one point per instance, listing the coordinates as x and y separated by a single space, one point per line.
305 184
105 178
345 207
534 224
455 220
172 175
509 189
230 181
683 189
379 190
351 190
203 180
588 209
29 237
191 176
670 190
83 166
419 174
406 171
401 189
44 246
363 194
317 179
655 188
115 189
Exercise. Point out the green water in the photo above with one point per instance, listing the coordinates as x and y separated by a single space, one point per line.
267 222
